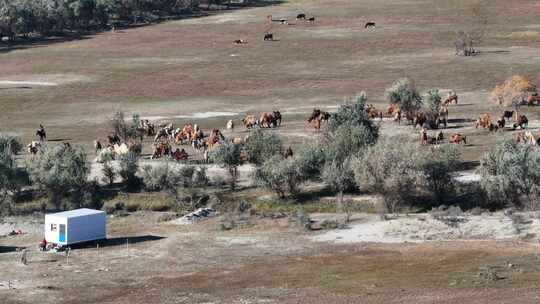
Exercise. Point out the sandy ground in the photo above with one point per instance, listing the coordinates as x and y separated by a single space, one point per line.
423 227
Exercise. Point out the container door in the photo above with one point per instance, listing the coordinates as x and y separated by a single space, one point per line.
62 234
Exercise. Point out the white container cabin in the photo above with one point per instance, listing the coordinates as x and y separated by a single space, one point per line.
75 226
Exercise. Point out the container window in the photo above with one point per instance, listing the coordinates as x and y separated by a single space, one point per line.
53 227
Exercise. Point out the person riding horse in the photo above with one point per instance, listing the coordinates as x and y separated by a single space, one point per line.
41 133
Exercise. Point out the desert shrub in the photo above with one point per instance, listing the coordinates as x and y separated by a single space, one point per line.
403 93
354 114
433 101
12 178
310 158
112 207
129 165
200 177
125 130
283 176
159 177
10 143
513 92
217 181
59 170
227 155
107 169
390 169
261 146
510 174
437 167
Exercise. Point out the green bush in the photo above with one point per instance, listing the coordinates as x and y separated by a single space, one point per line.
261 146
403 92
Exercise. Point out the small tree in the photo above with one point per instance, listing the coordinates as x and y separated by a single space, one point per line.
107 169
123 129
227 155
437 166
129 165
403 93
59 170
12 178
283 176
513 92
353 114
261 146
433 101
510 173
10 142
390 169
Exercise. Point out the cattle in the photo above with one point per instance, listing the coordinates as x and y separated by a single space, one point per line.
457 138
369 24
230 125
501 123
240 41
34 147
318 116
277 118
484 121
508 114
493 127
451 97
268 37
522 122
249 121
301 16
311 19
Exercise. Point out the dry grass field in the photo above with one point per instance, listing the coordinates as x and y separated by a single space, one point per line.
190 70
177 69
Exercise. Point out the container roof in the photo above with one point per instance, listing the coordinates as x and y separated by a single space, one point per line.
76 213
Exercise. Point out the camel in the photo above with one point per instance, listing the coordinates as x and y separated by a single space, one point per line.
214 139
277 118
161 149
249 121
179 155
266 120
527 138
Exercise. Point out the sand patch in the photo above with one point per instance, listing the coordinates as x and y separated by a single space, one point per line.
41 80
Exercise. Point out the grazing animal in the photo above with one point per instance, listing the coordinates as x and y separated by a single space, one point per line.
424 136
34 147
288 153
214 138
451 97
420 119
238 140
393 109
484 121
311 19
301 16
440 137
97 146
508 114
522 122
458 138
161 149
230 125
280 20
113 139
369 24
266 120
493 127
277 118
501 123
318 116
249 121
41 133
240 41
268 37
179 155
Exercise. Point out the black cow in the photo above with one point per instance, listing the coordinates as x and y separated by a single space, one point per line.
508 114
311 19
268 37
369 24
301 16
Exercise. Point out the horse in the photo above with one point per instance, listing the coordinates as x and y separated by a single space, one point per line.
268 37
369 24
301 16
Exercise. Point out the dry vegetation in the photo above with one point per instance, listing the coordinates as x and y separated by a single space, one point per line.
179 69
